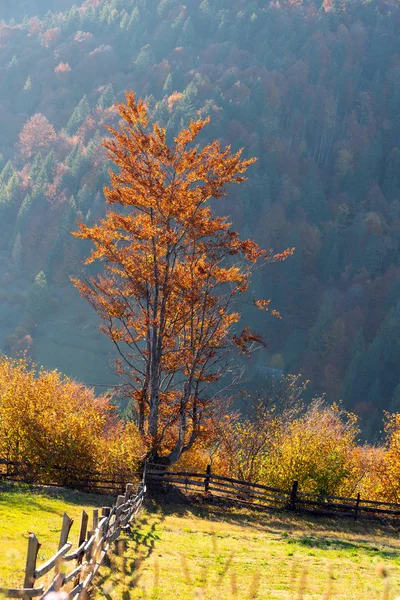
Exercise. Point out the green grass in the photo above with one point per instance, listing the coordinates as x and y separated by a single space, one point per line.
181 553
25 509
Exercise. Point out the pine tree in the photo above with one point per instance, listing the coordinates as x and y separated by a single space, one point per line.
107 97
36 167
50 164
24 212
7 172
145 59
81 112
38 300
167 88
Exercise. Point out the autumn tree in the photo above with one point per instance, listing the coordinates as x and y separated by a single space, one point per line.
38 134
172 271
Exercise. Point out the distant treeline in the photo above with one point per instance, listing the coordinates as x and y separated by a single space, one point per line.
312 89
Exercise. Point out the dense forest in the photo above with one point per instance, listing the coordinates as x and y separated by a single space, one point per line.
312 90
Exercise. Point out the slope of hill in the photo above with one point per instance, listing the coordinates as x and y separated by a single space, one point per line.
237 554
25 508
313 90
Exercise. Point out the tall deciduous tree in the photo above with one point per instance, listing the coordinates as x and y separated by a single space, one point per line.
172 273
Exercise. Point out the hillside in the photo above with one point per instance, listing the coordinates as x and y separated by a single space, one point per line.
26 508
313 91
244 555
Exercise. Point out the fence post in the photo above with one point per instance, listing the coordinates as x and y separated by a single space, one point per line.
33 549
128 491
83 528
81 539
357 505
293 495
207 479
95 520
65 529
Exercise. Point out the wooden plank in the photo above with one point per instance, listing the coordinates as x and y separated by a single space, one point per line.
255 493
250 498
74 555
22 593
351 500
151 474
65 529
128 491
115 535
50 564
249 484
95 518
73 573
179 480
219 477
33 549
83 528
319 497
376 502
378 511
89 543
335 505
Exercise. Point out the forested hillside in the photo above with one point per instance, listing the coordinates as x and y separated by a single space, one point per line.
313 91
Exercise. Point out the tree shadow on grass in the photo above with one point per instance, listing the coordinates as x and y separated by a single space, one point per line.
129 554
14 491
325 531
389 553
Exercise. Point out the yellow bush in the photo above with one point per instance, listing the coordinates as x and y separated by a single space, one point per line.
58 425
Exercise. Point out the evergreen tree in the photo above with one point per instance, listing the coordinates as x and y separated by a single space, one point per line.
107 97
167 88
7 172
50 164
81 112
38 300
36 168
24 212
145 59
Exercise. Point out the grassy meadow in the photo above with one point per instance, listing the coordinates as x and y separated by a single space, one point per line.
25 509
208 553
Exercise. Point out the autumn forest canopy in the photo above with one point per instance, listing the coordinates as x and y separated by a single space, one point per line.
313 91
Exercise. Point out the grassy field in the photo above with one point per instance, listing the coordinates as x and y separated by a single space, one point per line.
25 509
183 553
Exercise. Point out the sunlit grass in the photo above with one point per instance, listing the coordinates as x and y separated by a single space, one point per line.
210 553
25 509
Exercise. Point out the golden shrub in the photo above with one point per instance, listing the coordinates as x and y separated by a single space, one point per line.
58 425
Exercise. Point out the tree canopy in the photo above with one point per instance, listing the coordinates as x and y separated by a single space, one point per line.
172 272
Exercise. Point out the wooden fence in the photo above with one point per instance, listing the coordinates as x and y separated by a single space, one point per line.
89 554
256 495
83 480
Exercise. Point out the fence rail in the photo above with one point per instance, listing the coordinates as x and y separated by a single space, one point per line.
84 480
89 554
260 496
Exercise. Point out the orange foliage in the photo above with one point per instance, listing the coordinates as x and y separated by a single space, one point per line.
60 427
170 280
62 68
37 135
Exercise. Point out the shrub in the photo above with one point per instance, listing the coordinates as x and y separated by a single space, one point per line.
59 426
